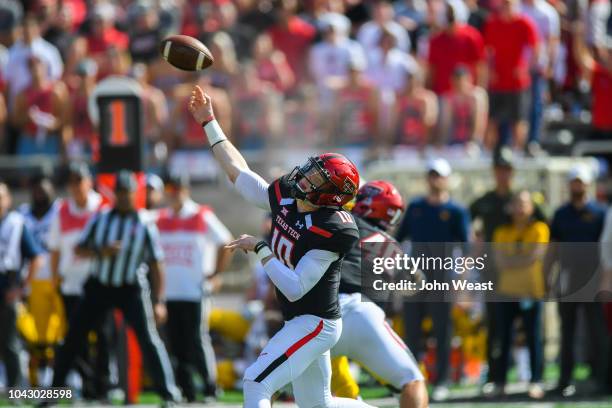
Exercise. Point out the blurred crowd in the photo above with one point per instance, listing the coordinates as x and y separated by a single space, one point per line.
465 73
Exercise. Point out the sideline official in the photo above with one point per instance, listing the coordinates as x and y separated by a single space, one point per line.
193 241
576 228
431 223
120 241
16 244
70 271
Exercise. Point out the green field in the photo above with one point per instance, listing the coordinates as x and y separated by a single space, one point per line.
381 397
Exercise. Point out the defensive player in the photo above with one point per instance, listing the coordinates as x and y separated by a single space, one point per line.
44 302
366 336
310 236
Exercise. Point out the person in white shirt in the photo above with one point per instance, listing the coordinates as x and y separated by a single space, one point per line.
331 57
388 69
17 74
388 65
382 19
193 240
69 271
547 23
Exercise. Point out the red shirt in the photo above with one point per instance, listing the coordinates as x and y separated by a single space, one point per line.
294 42
78 9
601 85
110 37
43 99
462 46
356 121
271 72
411 129
508 41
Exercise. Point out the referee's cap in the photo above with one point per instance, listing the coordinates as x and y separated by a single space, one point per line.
126 181
154 182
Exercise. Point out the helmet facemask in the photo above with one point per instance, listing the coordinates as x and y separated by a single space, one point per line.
310 180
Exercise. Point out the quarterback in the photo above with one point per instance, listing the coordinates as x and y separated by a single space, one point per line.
310 236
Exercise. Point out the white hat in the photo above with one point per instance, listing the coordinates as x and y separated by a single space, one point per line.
155 182
582 173
440 166
338 22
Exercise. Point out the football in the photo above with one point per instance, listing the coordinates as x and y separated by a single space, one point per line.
186 53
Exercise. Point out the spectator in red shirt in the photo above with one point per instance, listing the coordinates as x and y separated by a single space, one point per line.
457 44
41 112
257 106
84 141
103 34
415 114
599 71
271 64
511 42
464 111
292 36
354 121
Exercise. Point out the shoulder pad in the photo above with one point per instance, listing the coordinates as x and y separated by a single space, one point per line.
278 191
327 222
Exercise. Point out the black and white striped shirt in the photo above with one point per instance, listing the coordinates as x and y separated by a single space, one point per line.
139 244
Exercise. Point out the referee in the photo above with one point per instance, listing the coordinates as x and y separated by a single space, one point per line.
120 241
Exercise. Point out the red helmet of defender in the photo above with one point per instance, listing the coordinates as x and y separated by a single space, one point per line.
380 201
329 179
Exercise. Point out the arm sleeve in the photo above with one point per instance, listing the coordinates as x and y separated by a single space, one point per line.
606 243
29 248
218 232
253 188
296 283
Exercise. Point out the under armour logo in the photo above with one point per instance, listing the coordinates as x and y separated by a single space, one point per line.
284 211
299 224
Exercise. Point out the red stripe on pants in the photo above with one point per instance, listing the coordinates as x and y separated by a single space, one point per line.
300 343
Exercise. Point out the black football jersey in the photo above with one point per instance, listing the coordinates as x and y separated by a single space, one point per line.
295 233
350 277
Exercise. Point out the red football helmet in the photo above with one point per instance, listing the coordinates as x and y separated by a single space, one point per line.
380 201
329 179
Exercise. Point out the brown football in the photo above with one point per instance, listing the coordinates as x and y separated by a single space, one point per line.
186 53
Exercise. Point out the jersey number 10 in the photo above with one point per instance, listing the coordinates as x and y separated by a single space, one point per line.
282 247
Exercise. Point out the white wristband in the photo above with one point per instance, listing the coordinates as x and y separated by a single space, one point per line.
263 253
214 133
